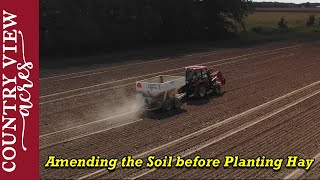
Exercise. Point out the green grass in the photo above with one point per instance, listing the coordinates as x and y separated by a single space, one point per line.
268 20
307 10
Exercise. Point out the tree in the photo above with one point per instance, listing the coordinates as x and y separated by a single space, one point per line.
111 24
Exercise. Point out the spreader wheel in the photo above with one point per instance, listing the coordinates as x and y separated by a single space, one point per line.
177 103
167 106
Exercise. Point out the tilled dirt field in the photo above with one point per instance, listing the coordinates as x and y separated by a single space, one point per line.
271 107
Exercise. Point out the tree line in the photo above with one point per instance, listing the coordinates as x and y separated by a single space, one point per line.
100 25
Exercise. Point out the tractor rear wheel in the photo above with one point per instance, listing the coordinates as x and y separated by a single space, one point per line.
201 91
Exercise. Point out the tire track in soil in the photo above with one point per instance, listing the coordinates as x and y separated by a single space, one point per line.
81 74
275 152
131 84
118 147
128 90
256 135
53 85
263 78
313 173
168 171
142 73
112 76
187 54
41 145
289 148
302 174
87 107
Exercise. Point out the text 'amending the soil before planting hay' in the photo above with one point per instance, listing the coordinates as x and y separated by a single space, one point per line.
179 162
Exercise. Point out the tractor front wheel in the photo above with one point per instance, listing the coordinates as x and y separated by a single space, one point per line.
218 90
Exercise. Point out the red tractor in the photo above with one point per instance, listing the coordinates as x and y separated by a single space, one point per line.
200 81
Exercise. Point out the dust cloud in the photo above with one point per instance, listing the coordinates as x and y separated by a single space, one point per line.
124 104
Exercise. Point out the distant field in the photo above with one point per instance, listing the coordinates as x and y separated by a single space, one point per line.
288 10
268 19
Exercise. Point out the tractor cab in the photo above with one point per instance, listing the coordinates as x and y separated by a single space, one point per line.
197 74
200 80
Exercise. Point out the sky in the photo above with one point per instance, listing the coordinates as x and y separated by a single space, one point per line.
294 1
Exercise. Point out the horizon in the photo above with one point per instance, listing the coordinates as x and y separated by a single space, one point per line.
290 1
